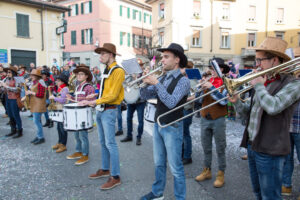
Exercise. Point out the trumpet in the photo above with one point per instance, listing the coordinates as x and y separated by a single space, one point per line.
232 84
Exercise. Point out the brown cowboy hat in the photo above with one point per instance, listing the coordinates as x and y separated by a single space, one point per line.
12 68
108 47
83 65
36 72
86 70
274 46
297 52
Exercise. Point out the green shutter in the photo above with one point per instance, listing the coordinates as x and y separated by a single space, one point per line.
121 38
150 19
73 37
63 39
22 25
76 6
63 14
128 39
133 40
82 36
140 17
82 8
69 12
128 13
91 35
91 7
133 14
145 17
121 8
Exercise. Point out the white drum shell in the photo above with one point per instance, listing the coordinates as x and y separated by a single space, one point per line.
56 115
131 95
150 112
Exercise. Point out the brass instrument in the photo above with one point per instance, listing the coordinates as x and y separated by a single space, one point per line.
72 84
232 84
52 104
26 100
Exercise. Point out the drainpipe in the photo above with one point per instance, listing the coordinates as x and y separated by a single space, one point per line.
42 26
211 26
267 16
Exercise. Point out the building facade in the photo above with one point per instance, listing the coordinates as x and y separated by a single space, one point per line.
125 23
28 32
223 28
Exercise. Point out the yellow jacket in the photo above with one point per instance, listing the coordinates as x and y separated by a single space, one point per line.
113 91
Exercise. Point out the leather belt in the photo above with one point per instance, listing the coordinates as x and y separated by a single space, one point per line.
109 106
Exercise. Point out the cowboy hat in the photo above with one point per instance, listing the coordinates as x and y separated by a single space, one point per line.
108 47
178 51
86 70
274 46
12 68
64 78
297 52
221 64
36 72
46 72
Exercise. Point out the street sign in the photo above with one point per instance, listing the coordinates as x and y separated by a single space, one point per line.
61 29
3 56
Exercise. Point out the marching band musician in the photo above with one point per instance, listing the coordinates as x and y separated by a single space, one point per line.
111 94
3 95
171 90
13 93
37 103
269 113
82 91
139 107
49 83
62 91
213 125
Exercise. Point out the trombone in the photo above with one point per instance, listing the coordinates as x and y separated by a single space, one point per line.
232 84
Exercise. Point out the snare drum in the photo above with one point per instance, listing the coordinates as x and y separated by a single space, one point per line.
56 112
150 110
77 118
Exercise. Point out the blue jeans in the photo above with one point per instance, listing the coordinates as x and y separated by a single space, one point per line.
82 142
37 120
109 149
14 112
139 107
167 144
288 167
187 140
266 174
62 133
119 116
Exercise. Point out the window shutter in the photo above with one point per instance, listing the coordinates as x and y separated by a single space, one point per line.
76 6
121 8
91 35
63 39
19 28
82 36
128 13
145 17
69 12
229 41
200 39
133 14
140 17
26 25
63 15
133 40
91 6
82 8
121 38
150 19
73 37
128 39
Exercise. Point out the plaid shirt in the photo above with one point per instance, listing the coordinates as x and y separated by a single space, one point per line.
272 105
295 123
41 90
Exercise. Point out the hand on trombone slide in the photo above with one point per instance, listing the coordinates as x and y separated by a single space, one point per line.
260 79
151 80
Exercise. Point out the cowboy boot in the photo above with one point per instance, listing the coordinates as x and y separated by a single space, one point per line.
47 123
13 129
19 134
50 124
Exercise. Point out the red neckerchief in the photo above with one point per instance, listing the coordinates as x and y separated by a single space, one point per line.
3 77
22 74
61 87
217 82
268 81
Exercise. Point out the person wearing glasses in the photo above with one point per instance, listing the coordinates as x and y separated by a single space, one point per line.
269 113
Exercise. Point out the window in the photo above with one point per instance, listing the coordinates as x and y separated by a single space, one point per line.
252 13
128 13
73 37
161 11
140 16
74 10
196 40
128 39
161 37
145 17
251 39
150 19
280 15
22 25
134 12
121 9
86 7
225 40
226 11
121 38
279 34
196 8
135 41
87 36
87 61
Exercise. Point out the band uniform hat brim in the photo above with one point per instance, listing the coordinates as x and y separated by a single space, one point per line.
297 52
36 72
107 47
12 68
86 71
64 78
177 50
275 46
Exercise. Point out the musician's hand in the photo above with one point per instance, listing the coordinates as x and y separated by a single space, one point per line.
90 96
92 103
258 80
233 99
51 97
83 103
68 96
23 98
146 71
207 85
151 80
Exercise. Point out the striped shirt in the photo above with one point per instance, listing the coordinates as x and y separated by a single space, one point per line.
272 105
160 89
295 123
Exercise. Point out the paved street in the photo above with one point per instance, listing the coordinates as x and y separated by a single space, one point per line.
36 172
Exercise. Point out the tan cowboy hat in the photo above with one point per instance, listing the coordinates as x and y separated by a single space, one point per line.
12 68
274 46
36 72
108 47
85 69
297 52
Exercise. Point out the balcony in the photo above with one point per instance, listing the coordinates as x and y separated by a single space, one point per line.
247 52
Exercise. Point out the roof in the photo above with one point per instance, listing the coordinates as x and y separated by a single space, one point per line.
41 4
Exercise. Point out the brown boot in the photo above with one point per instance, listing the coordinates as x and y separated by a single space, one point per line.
286 191
75 155
54 147
82 160
99 174
111 183
205 175
219 182
61 148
